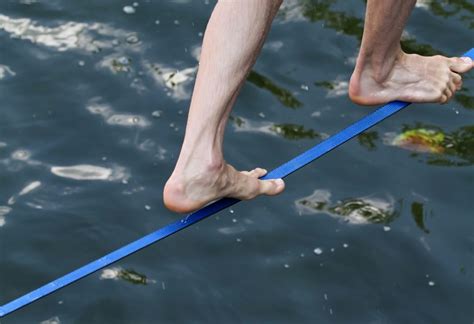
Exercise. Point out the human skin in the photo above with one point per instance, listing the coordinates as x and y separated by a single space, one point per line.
232 42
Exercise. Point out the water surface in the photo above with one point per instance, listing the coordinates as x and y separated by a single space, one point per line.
94 103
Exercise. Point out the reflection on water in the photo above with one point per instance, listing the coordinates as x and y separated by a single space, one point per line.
446 148
283 95
67 36
335 88
464 99
293 132
52 320
112 118
288 131
363 210
320 10
449 8
4 210
26 190
127 275
441 148
421 140
90 172
418 214
6 72
368 139
176 82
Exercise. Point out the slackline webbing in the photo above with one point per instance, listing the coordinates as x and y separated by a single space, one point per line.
280 172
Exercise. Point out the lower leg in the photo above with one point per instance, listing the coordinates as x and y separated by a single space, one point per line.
233 39
384 72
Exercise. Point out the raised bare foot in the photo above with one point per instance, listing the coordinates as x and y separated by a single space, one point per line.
190 190
408 77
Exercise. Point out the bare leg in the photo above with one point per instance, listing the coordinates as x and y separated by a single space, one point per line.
233 39
384 72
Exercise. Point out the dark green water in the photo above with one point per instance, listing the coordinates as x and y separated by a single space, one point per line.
91 121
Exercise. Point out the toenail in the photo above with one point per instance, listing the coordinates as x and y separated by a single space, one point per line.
466 60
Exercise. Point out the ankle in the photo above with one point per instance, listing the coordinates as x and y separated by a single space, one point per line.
199 162
378 65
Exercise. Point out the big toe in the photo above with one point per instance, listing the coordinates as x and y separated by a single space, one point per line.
271 187
461 64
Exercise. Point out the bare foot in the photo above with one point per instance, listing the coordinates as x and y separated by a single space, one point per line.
409 77
188 191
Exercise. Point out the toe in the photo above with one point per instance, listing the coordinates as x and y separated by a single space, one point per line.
452 86
271 187
461 64
448 93
258 172
443 99
456 78
255 173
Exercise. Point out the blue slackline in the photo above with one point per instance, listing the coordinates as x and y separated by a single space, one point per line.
280 172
